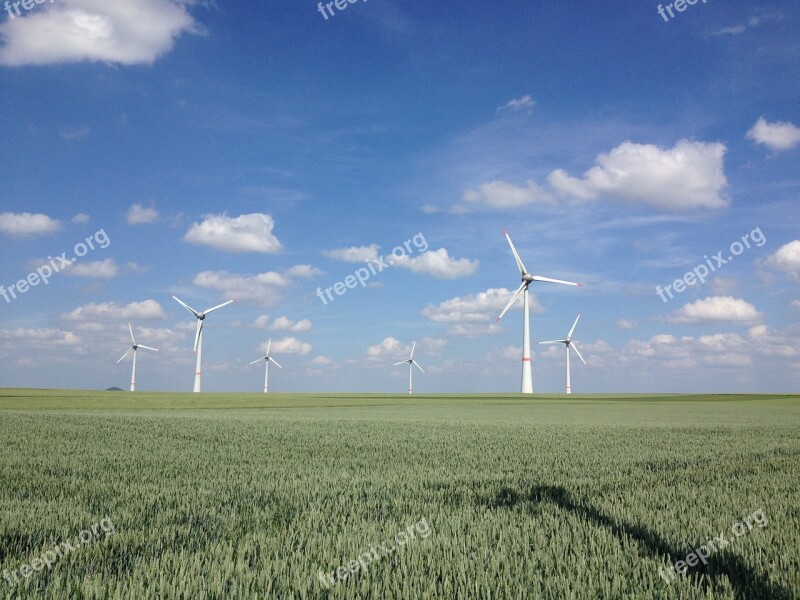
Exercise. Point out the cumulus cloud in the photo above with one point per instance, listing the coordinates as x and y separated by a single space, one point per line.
97 268
389 347
303 271
787 259
20 224
354 254
68 31
138 215
284 324
501 194
147 309
287 345
475 308
438 264
717 309
322 361
780 135
72 133
526 102
245 233
38 337
260 289
81 218
689 176
627 324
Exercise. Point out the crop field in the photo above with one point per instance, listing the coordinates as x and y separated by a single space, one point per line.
334 496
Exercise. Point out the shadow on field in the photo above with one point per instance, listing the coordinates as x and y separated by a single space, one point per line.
746 582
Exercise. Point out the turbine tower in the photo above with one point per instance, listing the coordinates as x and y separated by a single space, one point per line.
527 278
267 358
198 337
411 362
134 347
568 343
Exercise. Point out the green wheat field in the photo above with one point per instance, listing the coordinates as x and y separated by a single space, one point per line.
253 496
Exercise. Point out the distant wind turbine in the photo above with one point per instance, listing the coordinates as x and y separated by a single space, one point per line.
411 362
198 337
134 347
527 278
267 358
568 343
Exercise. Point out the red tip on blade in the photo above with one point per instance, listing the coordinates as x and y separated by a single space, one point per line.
580 285
505 231
497 319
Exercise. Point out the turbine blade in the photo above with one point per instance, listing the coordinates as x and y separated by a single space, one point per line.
520 266
269 343
208 310
126 354
413 362
148 348
186 306
258 360
197 334
554 342
513 298
400 363
574 347
550 280
131 330
414 345
571 331
275 362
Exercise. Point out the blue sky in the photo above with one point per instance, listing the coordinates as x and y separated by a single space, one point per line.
259 151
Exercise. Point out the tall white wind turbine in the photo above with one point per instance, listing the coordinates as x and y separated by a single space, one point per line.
527 278
411 362
267 358
568 343
198 337
134 347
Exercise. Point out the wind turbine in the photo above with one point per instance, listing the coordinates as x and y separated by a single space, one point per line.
411 362
198 336
568 343
527 278
134 347
267 358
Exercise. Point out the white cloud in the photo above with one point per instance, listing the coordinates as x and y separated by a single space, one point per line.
779 135
286 324
519 103
147 309
127 33
430 209
689 176
354 254
438 264
97 268
322 361
260 289
787 259
717 309
796 304
245 233
431 345
287 345
71 133
501 194
303 271
27 223
483 307
138 215
627 324
389 347
38 337
81 218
